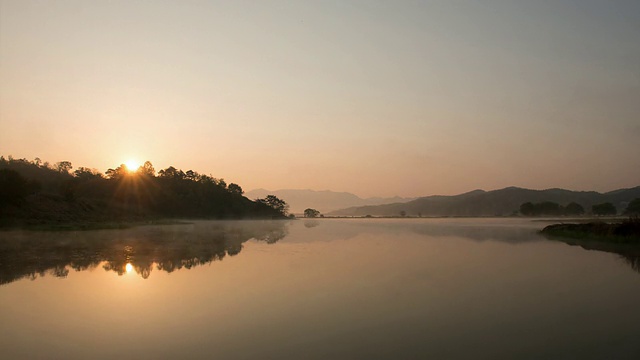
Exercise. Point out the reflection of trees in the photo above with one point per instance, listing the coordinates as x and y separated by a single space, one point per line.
632 260
629 253
168 248
311 223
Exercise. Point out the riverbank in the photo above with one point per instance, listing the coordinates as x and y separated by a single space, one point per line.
626 231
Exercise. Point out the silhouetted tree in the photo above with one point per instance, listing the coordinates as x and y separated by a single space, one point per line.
147 169
64 166
191 175
549 208
527 209
604 209
235 189
633 208
117 173
84 173
542 208
403 213
311 213
275 203
573 209
171 173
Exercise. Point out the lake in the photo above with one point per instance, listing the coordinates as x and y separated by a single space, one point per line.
316 289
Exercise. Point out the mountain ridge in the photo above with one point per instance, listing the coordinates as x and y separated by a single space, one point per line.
500 202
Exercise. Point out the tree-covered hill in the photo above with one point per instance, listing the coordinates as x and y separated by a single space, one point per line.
36 193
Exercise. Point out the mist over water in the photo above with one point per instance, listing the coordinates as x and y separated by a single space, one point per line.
361 288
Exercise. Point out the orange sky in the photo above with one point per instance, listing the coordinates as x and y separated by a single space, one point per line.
374 98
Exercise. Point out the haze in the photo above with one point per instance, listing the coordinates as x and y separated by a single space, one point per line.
375 98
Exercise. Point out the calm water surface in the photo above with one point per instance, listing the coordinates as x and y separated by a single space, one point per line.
342 289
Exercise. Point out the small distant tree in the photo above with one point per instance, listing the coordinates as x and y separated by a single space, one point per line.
604 209
633 208
573 209
403 213
527 209
549 208
311 213
541 208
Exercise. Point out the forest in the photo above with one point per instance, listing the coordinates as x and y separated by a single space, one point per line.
36 193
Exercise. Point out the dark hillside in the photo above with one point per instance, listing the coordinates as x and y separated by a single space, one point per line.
35 194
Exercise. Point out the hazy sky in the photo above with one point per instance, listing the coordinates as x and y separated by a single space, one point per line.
381 98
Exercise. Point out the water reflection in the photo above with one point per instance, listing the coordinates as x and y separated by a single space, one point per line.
169 248
629 253
140 250
311 223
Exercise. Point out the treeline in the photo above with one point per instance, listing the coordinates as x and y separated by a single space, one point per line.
36 190
575 209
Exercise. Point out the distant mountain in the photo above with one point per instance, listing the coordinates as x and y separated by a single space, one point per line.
323 201
490 203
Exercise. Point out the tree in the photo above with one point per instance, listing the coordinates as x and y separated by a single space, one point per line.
311 213
403 213
541 208
85 173
633 208
573 209
277 204
235 189
191 175
117 173
64 166
548 208
527 209
147 169
604 209
171 173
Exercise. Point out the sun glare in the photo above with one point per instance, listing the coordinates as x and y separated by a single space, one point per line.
132 165
128 268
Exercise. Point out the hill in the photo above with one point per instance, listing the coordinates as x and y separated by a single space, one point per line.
34 194
501 202
323 201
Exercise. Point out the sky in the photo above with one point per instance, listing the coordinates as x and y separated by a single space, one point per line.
377 98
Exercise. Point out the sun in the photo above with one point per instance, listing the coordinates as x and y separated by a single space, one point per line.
132 165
